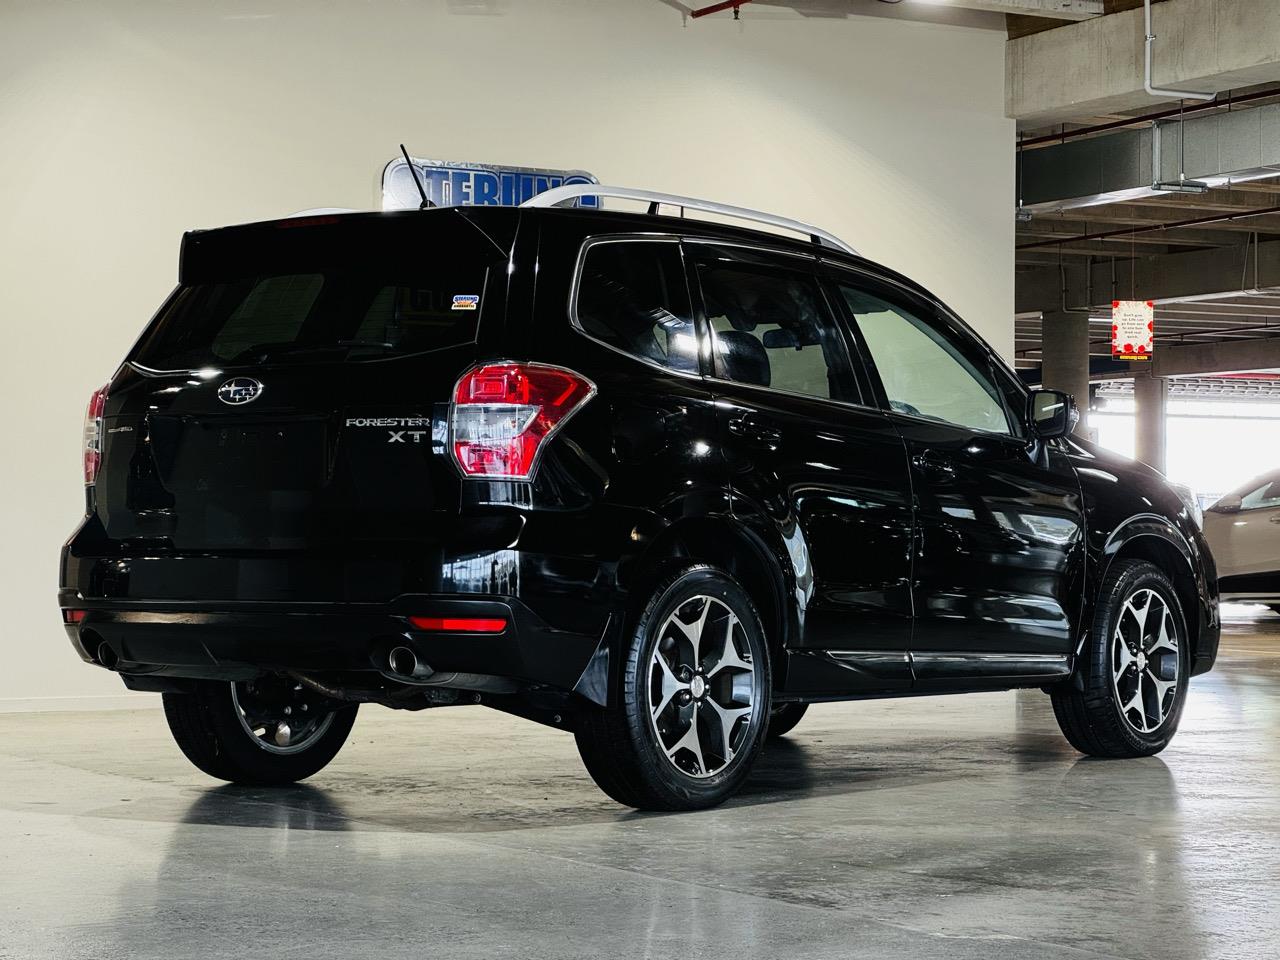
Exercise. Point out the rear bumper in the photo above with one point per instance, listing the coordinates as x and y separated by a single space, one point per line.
240 640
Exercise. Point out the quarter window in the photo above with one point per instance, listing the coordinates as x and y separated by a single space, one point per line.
632 295
924 375
772 330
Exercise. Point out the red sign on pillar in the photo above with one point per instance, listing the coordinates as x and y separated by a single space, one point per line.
1133 329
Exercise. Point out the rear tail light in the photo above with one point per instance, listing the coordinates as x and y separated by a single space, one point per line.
93 435
503 413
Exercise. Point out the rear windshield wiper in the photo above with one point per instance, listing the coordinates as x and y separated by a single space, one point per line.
271 351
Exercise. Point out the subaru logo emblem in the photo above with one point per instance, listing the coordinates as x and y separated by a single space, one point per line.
240 390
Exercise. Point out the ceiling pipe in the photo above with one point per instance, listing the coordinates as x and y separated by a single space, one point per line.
1127 232
1150 56
717 7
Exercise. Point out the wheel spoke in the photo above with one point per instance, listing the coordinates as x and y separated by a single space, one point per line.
671 685
1135 702
693 631
1162 688
1124 655
729 658
278 715
1140 615
691 741
1162 641
728 717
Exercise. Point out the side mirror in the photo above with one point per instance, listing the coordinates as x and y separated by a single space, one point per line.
1052 414
1228 504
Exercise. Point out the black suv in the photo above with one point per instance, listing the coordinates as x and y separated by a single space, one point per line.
657 481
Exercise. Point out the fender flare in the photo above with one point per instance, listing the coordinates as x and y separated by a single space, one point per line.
773 568
1146 525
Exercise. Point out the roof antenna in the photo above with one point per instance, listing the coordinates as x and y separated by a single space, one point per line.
417 181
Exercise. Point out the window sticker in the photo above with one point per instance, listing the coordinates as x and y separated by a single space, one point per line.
466 301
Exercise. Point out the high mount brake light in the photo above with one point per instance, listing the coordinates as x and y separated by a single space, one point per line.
93 435
502 413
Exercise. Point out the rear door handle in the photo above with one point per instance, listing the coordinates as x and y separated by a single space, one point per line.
756 429
934 464
1275 518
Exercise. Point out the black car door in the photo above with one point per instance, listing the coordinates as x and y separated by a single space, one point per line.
1000 550
817 473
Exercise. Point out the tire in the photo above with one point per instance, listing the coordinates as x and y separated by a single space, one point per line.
644 757
1136 714
784 717
210 728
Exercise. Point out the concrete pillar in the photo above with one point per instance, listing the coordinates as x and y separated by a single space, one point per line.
1065 342
1150 424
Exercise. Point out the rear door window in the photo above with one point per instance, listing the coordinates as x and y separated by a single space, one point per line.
771 328
632 295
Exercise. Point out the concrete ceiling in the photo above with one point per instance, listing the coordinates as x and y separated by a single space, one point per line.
1218 301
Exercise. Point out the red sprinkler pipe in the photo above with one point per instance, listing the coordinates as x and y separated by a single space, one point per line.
717 7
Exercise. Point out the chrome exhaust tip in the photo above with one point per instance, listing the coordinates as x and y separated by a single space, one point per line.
403 662
106 656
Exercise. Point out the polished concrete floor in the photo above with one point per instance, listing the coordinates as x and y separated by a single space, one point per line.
940 827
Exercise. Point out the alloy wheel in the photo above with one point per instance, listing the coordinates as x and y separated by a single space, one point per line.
701 687
281 715
1145 662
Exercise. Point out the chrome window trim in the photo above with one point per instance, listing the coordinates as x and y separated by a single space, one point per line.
745 245
153 372
938 421
849 404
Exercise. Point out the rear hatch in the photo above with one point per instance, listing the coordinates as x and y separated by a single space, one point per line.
291 394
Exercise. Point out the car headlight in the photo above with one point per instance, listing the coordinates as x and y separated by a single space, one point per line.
1188 497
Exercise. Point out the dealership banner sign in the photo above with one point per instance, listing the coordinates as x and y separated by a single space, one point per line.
1133 329
455 184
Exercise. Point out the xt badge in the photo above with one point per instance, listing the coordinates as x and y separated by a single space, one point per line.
398 436
406 430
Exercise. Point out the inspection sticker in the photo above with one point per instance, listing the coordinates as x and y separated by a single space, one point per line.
466 301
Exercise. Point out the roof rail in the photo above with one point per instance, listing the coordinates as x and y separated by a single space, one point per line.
559 195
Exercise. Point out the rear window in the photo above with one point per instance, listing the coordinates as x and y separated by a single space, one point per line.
261 294
294 315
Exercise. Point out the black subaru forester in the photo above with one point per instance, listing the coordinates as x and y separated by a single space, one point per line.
658 481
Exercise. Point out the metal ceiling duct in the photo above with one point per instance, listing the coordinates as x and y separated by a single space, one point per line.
1219 149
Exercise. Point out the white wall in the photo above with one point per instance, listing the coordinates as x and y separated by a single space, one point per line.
124 123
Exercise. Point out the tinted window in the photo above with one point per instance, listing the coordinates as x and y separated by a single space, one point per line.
632 295
772 330
269 310
923 373
342 314
1266 496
